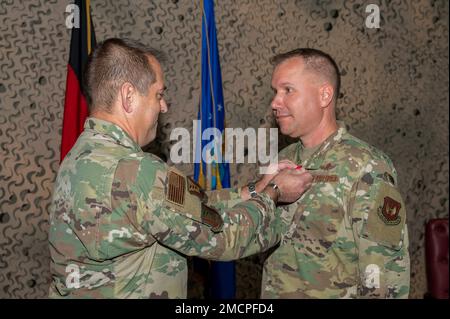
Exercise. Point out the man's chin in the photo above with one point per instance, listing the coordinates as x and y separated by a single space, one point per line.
289 132
284 130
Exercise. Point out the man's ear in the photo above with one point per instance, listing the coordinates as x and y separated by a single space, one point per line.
127 96
326 93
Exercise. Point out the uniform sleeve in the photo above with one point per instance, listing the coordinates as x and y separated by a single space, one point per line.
225 198
378 218
174 210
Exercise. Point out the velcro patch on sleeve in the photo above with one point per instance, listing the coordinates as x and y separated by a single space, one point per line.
385 222
176 187
185 197
195 189
212 218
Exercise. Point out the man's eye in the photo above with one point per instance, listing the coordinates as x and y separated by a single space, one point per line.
289 90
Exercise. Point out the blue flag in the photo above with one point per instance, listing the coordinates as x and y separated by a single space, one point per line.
210 171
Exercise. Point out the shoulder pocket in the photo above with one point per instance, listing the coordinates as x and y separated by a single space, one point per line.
385 221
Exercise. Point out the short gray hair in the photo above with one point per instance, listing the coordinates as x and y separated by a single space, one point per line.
114 62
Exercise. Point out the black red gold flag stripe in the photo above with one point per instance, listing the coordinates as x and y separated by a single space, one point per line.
75 106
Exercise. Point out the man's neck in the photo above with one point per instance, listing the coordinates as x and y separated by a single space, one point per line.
124 125
320 134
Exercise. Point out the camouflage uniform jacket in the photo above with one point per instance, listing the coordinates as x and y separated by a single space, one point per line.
121 221
346 237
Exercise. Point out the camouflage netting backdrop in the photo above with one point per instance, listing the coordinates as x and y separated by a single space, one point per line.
395 96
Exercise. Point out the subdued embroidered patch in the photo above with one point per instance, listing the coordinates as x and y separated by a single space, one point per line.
212 218
175 188
196 190
325 178
189 203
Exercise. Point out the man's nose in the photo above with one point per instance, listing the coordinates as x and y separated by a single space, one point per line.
276 103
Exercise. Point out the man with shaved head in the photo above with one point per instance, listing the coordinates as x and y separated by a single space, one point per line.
346 237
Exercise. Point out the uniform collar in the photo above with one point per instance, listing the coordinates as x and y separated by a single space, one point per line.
316 159
111 130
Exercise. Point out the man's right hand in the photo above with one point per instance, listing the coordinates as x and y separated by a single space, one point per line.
292 184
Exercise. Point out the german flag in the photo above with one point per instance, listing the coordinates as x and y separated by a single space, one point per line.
75 106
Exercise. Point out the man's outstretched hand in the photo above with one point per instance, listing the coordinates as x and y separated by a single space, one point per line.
292 183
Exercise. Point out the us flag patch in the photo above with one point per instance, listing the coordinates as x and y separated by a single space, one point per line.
176 188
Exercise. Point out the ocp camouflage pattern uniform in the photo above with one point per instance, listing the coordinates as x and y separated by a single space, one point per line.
346 237
121 221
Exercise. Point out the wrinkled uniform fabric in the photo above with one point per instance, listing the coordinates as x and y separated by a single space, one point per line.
120 227
346 237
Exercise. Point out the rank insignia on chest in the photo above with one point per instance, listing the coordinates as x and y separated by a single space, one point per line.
389 213
325 178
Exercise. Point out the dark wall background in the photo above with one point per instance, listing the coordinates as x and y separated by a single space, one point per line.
395 96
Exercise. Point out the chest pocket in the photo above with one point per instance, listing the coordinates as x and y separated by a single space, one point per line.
317 215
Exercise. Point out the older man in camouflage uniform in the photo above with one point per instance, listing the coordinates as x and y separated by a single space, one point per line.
346 237
121 220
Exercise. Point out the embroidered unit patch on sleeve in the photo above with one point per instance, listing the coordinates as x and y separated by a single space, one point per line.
385 220
389 213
